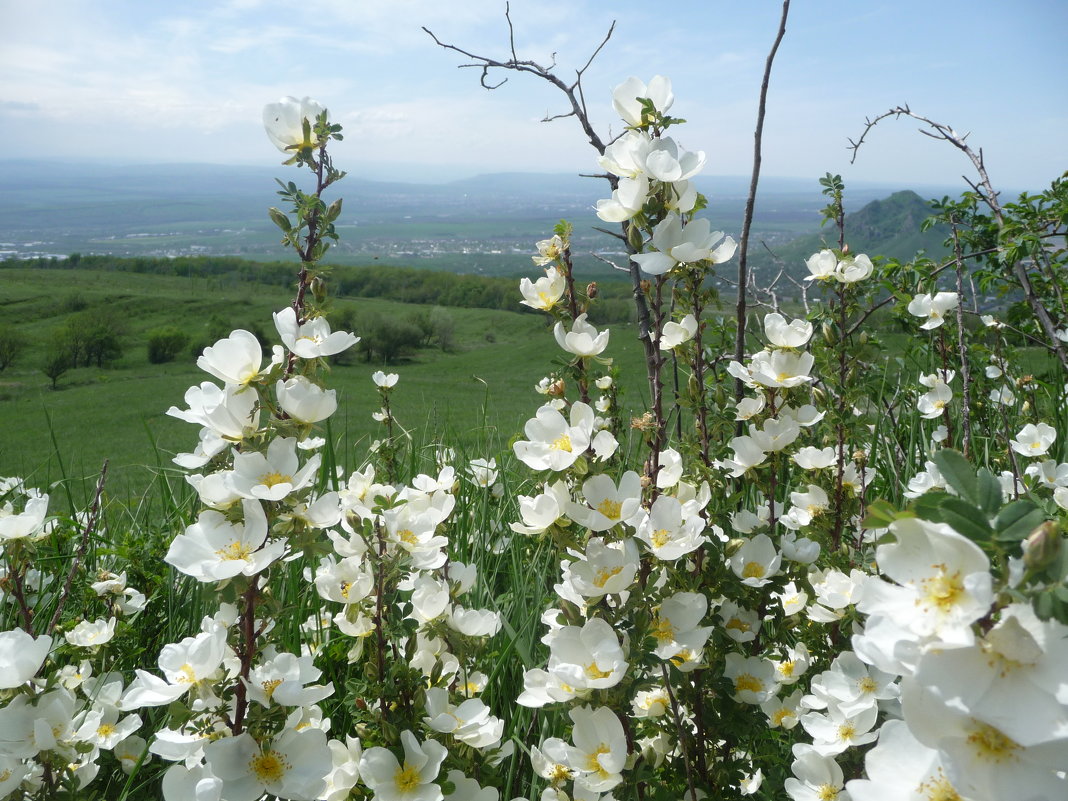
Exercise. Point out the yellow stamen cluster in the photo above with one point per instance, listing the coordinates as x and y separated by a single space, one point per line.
991 745
747 681
269 767
273 479
561 443
234 551
610 508
406 778
753 570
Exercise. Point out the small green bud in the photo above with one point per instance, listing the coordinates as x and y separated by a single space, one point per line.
318 288
830 335
693 387
635 238
333 211
1042 546
279 219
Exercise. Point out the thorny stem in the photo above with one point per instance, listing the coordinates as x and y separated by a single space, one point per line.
686 759
572 301
839 516
248 653
380 636
306 253
698 367
90 527
17 589
943 350
962 350
657 385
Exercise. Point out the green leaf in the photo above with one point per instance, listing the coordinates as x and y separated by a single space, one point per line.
958 474
990 497
1017 520
929 506
881 514
966 519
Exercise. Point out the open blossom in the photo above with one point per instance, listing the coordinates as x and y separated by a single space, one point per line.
781 368
390 780
668 162
235 359
305 402
587 657
30 523
544 293
311 339
821 266
782 334
757 561
932 307
274 475
1034 440
825 265
675 244
670 529
583 339
606 504
213 548
549 250
626 98
943 581
675 334
284 121
599 753
853 268
21 656
554 443
292 765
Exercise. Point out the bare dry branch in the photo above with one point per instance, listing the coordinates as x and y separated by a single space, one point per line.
985 190
743 245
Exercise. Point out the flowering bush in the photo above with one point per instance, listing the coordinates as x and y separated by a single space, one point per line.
722 586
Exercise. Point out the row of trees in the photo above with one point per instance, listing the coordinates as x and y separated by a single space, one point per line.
88 339
403 284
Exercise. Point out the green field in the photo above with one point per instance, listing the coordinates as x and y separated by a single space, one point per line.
479 394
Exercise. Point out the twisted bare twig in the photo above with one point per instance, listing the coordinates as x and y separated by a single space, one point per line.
985 190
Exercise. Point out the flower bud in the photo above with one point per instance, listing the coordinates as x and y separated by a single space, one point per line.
556 388
318 288
845 249
732 546
830 336
279 219
591 290
646 286
1042 546
693 388
634 238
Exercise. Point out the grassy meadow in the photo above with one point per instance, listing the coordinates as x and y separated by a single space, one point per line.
478 394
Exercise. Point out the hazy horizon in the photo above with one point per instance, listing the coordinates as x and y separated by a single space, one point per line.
186 82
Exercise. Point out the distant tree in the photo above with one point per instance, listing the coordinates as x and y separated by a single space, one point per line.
57 356
94 339
443 328
12 344
164 344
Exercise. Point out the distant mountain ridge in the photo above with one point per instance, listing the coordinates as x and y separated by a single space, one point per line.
887 227
488 223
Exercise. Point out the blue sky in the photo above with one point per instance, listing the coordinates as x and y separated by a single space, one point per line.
179 81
